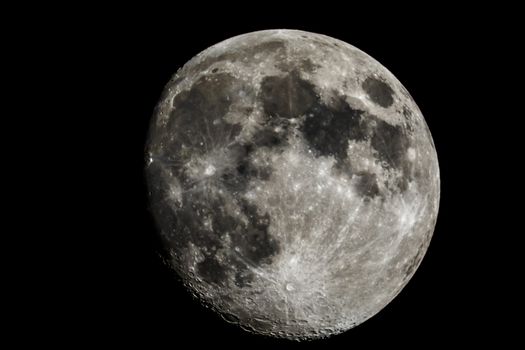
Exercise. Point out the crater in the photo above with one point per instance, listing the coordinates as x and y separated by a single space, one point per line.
378 91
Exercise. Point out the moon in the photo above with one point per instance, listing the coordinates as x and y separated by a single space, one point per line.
294 182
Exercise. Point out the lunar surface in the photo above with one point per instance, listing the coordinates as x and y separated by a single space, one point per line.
294 181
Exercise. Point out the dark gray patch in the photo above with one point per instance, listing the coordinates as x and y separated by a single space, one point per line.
379 92
367 185
406 177
211 270
307 65
236 178
233 181
248 170
243 277
328 128
268 138
286 97
231 318
255 242
407 112
390 142
410 119
408 123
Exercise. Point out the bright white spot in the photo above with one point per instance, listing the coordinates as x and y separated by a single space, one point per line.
289 287
407 218
411 153
207 223
210 170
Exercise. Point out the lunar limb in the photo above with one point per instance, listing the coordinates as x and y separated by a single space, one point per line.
294 181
